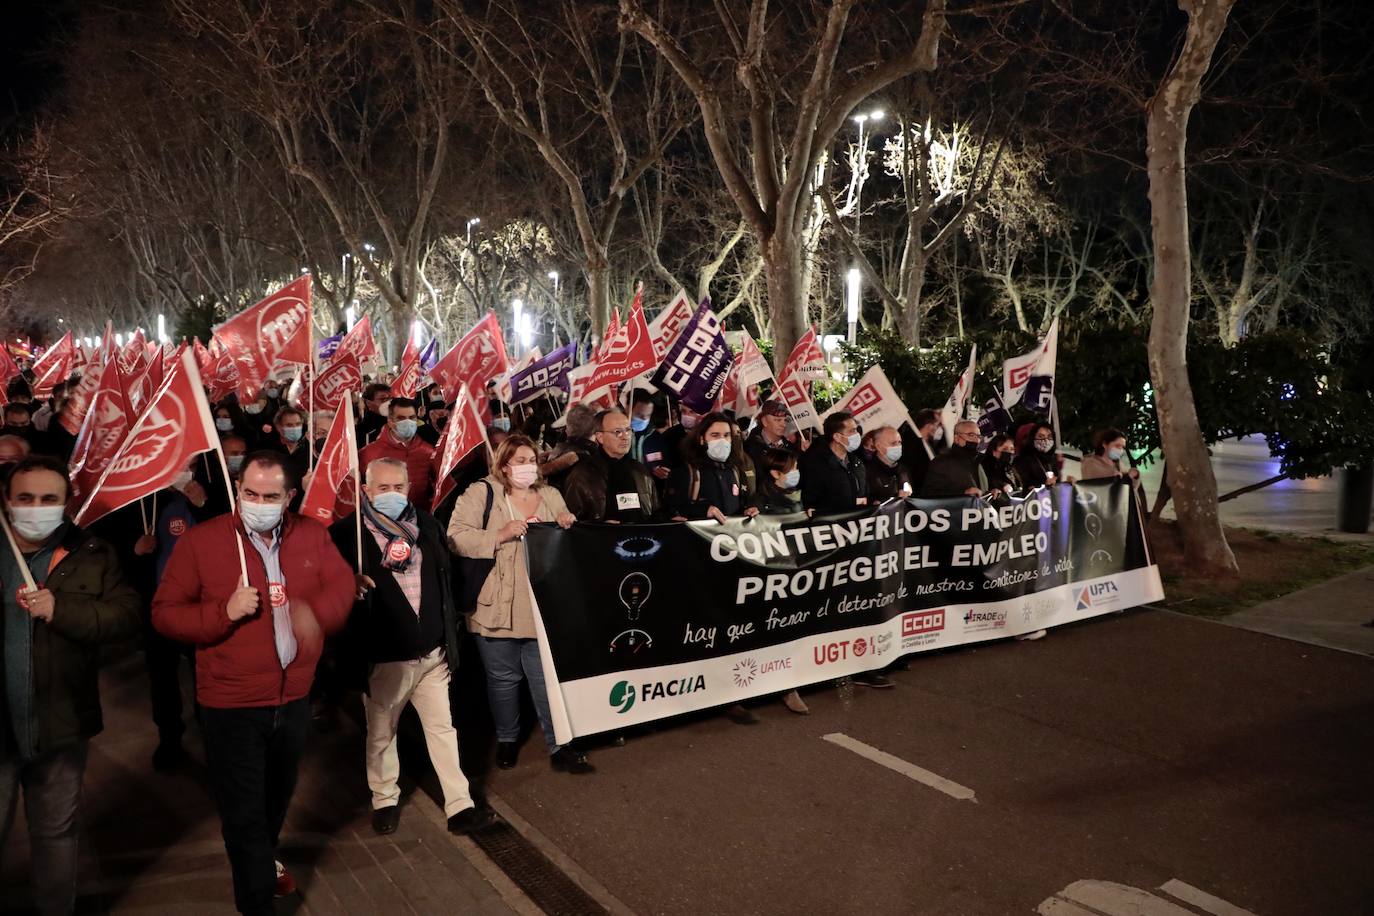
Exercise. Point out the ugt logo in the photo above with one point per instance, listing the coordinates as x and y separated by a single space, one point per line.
622 696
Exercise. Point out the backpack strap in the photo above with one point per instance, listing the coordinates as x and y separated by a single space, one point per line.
486 513
693 488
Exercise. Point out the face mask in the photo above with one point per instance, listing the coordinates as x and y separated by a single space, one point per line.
252 409
180 481
791 479
1044 445
390 504
718 449
405 429
502 423
1115 453
523 475
1005 459
36 523
639 424
272 393
894 454
260 517
384 407
852 442
938 434
235 463
688 422
224 424
969 446
438 421
292 433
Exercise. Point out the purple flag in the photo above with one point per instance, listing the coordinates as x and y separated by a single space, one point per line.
697 364
430 355
326 347
549 372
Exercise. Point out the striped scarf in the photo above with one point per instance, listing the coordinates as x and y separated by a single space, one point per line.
405 530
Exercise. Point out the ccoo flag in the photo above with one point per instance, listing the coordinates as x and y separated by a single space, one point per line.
696 366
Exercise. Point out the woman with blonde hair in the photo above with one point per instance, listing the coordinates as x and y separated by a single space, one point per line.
489 523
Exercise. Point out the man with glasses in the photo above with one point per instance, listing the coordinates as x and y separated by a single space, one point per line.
257 645
957 471
609 485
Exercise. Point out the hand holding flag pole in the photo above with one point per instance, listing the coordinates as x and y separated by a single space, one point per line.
18 554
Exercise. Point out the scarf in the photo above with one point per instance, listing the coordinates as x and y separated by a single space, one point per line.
401 535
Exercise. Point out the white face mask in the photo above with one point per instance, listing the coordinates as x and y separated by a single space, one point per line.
852 443
36 523
718 449
260 517
1044 445
523 475
180 481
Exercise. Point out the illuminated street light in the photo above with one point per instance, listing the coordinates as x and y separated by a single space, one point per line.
852 280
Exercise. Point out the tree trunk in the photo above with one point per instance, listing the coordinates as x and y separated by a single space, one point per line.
782 268
598 295
1194 485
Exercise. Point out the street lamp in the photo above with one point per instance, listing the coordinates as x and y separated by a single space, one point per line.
852 300
517 307
349 316
162 327
472 222
525 326
861 119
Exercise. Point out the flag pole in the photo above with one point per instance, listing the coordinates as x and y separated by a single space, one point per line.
229 491
18 554
310 396
351 444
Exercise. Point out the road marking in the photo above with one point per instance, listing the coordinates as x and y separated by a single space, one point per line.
1200 898
898 765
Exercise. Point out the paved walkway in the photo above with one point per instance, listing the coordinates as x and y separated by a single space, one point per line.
152 843
1334 614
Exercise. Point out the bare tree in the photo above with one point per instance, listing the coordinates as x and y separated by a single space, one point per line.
751 67
1191 478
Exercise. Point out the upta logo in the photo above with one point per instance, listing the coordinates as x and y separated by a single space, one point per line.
1101 593
623 696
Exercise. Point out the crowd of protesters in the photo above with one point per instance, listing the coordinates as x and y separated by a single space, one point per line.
393 602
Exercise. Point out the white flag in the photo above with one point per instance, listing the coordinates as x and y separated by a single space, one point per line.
953 410
873 402
1019 370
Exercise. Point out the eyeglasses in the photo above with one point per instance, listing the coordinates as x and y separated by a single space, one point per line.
623 432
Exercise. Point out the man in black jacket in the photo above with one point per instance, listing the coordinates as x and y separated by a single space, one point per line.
887 472
956 472
406 625
608 485
832 476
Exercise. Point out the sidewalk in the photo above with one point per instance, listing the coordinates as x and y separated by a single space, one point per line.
1333 614
151 842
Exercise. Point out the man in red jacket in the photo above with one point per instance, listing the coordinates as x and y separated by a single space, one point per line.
257 643
398 440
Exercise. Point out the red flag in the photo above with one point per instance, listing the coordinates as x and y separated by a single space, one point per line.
629 353
142 388
133 357
475 360
337 461
464 433
53 366
336 381
275 330
176 427
102 432
408 379
612 328
203 357
807 360
79 398
8 367
358 343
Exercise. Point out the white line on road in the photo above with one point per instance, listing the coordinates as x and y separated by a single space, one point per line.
898 765
1200 898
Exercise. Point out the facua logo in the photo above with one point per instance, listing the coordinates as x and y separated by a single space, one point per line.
622 696
657 690
1099 594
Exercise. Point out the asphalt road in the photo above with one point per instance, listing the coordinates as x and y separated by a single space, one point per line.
1138 749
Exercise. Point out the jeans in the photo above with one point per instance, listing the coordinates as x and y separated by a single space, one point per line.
52 799
424 684
508 662
253 755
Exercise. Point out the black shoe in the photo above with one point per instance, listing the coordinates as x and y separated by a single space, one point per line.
506 752
740 715
168 756
385 820
470 819
571 760
872 679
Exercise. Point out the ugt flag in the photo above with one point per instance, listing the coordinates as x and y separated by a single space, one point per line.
341 377
463 434
628 352
53 366
102 431
696 366
176 427
549 372
475 360
276 330
338 459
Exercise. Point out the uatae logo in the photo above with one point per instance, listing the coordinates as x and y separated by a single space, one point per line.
1099 594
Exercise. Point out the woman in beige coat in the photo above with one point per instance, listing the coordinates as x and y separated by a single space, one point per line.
503 621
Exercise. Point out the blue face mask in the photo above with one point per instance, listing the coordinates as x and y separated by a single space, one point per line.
894 454
502 423
791 479
292 433
224 424
1115 453
639 424
390 504
405 429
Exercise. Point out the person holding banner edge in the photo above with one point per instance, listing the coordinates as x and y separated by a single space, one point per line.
489 522
64 595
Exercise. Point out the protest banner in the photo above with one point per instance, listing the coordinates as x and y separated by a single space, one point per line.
659 620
